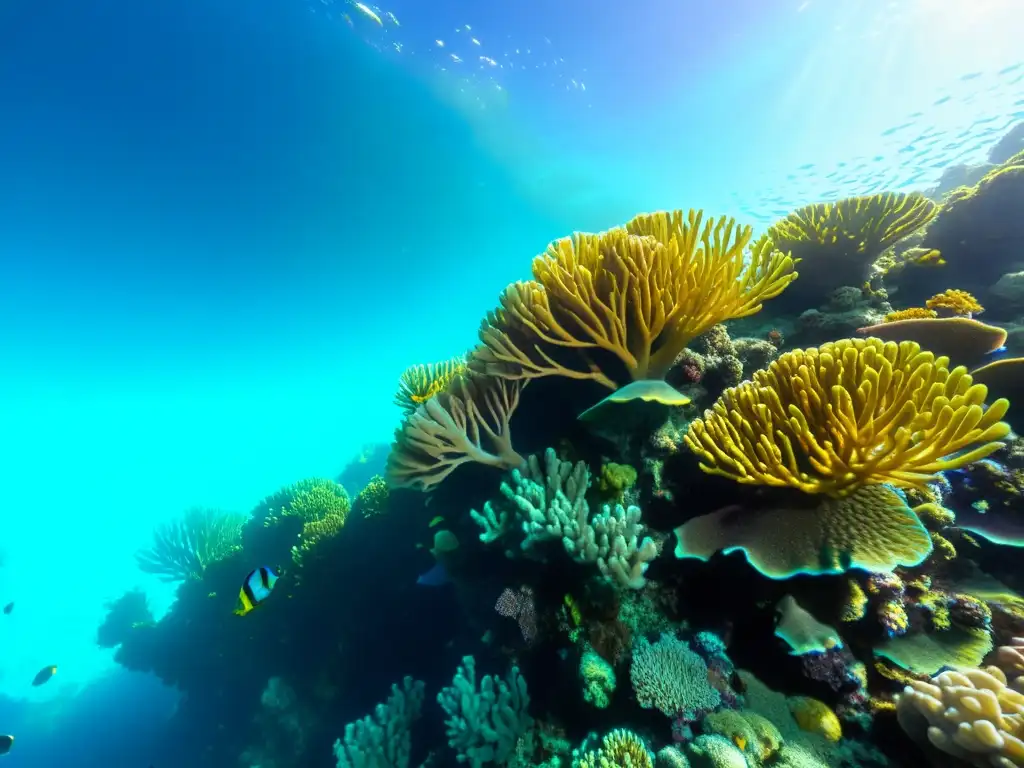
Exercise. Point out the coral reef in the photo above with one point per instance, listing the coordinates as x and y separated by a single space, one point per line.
832 451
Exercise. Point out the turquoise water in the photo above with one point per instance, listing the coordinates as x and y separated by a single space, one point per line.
226 228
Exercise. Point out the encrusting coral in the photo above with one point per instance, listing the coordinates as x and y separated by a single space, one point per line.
911 313
954 302
467 422
638 294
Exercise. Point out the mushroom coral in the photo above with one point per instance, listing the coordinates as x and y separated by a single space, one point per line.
851 422
637 294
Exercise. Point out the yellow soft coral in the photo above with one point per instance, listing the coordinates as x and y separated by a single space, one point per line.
911 313
815 716
955 302
619 749
419 383
637 294
837 243
848 414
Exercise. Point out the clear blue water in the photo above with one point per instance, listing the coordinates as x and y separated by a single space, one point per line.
226 227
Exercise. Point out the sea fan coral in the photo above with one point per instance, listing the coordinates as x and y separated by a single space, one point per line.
638 294
467 422
849 413
836 243
419 383
183 548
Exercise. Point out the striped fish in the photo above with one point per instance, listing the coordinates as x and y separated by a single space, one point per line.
257 587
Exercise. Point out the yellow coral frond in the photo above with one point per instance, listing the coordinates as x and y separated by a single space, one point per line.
419 383
638 293
847 414
955 302
911 313
872 222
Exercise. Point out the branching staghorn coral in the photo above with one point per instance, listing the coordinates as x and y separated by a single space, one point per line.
419 383
183 548
837 243
638 293
484 724
468 422
550 504
849 413
383 739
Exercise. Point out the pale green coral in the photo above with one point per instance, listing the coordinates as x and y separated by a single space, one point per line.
597 677
183 548
484 724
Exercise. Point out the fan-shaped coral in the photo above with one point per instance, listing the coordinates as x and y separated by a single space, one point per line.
873 529
846 414
467 422
419 383
183 548
836 243
637 294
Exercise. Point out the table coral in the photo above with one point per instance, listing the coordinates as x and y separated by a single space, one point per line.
963 340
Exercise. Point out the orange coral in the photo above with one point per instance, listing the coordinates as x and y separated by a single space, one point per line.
638 294
912 313
468 422
955 302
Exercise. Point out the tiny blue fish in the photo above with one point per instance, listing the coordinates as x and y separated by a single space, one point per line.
257 587
435 577
997 354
